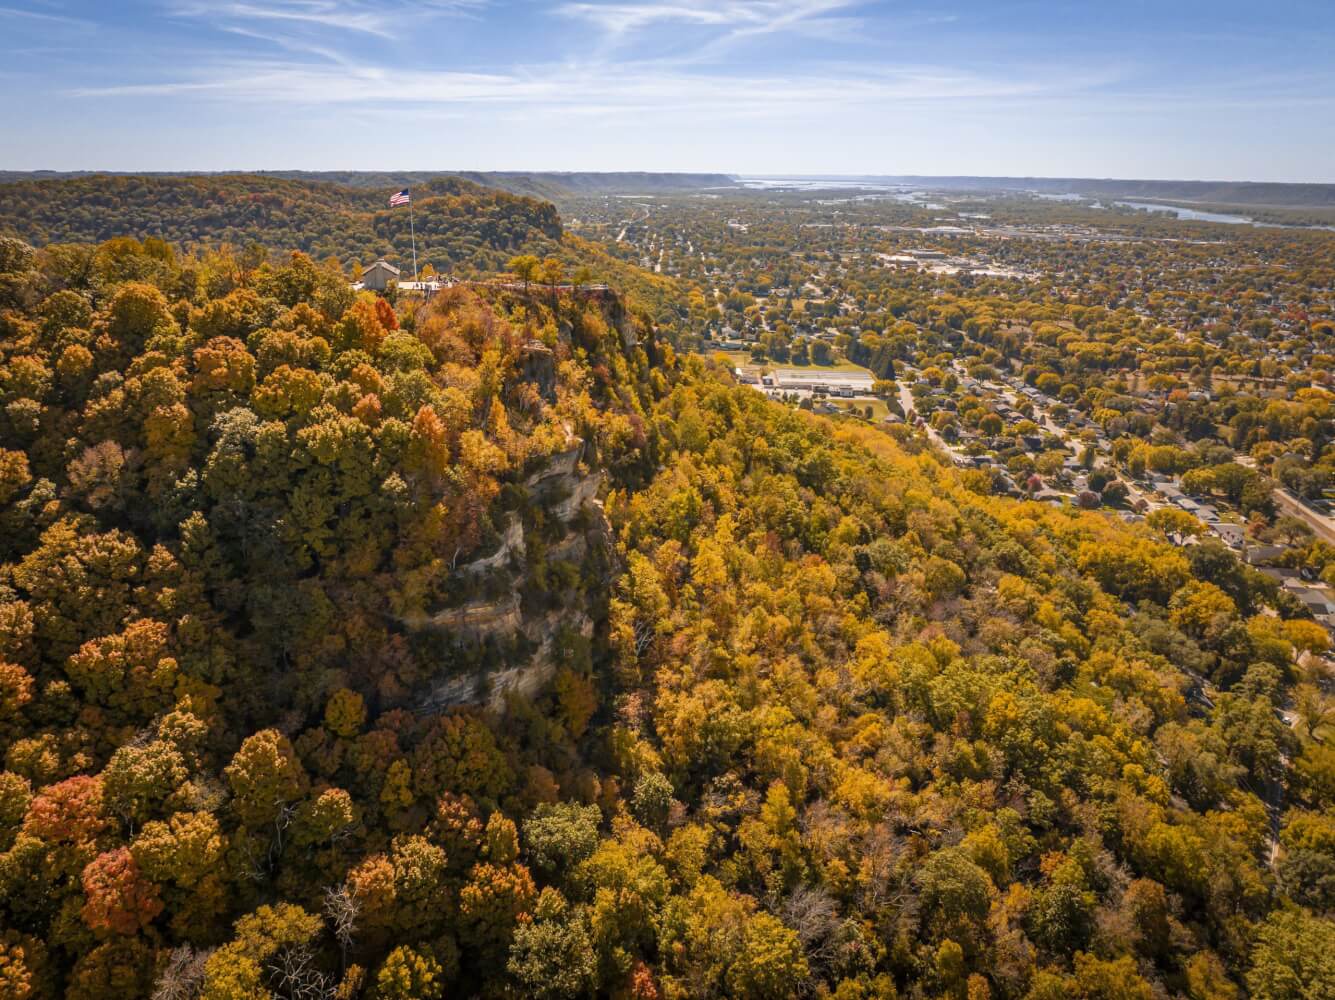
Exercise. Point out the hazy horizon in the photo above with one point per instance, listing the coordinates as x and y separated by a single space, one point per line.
738 175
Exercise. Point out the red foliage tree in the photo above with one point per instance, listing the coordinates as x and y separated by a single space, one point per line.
120 899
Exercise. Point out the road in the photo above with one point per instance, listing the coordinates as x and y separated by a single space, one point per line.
1322 526
621 236
906 404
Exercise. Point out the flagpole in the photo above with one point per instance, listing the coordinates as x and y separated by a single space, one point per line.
413 227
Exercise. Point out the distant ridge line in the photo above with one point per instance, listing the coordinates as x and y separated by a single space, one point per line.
558 184
536 183
1277 194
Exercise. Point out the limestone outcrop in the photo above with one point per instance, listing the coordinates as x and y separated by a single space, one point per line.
537 364
567 490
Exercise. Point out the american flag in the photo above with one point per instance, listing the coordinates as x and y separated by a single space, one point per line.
402 198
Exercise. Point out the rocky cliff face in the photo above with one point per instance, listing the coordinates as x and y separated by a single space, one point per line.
518 604
538 365
566 489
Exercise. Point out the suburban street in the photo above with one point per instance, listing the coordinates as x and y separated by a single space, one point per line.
1322 526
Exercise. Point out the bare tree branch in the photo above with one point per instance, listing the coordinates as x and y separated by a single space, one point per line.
183 976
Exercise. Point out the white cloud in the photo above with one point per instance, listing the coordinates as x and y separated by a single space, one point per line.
744 16
33 15
610 89
385 19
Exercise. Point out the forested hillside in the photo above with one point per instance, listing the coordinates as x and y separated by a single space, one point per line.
484 647
548 184
458 222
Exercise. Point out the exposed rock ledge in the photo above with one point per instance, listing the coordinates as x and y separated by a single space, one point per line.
558 470
476 620
502 619
526 679
512 543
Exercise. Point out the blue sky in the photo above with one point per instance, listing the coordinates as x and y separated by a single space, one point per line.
1168 89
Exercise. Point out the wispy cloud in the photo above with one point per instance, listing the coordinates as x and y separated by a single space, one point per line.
608 89
1044 85
385 19
733 16
297 46
319 69
48 18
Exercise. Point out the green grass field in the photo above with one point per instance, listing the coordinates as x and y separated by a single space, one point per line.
879 410
736 357
739 358
842 365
